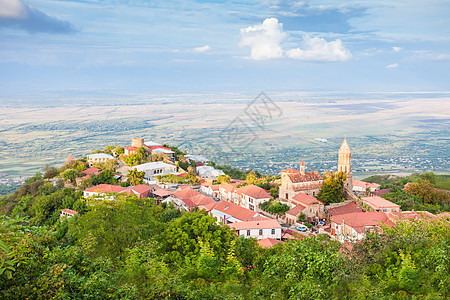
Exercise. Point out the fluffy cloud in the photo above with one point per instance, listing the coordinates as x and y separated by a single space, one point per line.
202 49
396 49
318 49
264 39
17 14
392 66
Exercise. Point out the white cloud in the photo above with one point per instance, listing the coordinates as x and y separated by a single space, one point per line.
396 49
202 49
17 14
392 66
264 39
14 9
318 49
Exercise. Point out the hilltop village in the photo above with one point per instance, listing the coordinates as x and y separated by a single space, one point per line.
271 209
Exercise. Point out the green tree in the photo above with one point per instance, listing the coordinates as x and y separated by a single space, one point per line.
49 171
332 190
223 179
182 235
119 150
70 175
110 227
135 176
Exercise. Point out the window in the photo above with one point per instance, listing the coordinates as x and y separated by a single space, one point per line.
260 232
287 196
248 232
273 231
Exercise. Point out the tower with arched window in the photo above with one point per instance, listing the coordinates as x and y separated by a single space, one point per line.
345 163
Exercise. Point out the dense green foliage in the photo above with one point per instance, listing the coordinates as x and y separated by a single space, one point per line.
421 194
274 207
332 190
135 249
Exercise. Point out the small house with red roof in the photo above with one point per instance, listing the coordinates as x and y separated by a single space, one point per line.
226 212
131 150
350 207
68 213
376 203
260 229
251 196
353 227
227 191
362 188
212 190
185 199
305 204
268 242
141 190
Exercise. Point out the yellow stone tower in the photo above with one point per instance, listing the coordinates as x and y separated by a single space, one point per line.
345 163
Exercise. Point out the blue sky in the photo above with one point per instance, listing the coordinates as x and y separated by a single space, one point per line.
65 48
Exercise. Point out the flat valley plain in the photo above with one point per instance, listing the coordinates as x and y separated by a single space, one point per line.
387 132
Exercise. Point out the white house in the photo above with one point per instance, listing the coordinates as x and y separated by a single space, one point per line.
212 190
226 212
98 158
208 172
154 169
360 188
251 196
260 229
166 151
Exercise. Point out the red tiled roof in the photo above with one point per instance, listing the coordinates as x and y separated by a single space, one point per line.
131 149
70 211
308 176
296 210
254 191
364 184
411 215
305 200
195 197
268 242
290 170
361 219
381 192
163 193
141 188
351 207
236 211
378 202
182 175
90 171
105 188
157 147
229 187
263 224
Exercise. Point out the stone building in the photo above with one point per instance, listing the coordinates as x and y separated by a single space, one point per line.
345 164
295 181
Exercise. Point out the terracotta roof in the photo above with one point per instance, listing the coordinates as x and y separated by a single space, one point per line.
361 219
236 211
296 210
378 202
263 224
364 184
351 207
229 187
381 192
268 242
254 191
70 211
141 188
90 171
105 188
304 199
163 193
131 149
308 176
290 170
157 147
195 197
259 218
416 215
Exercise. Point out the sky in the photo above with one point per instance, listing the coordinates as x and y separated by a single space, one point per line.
51 49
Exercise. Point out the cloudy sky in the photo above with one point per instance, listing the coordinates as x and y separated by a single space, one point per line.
63 47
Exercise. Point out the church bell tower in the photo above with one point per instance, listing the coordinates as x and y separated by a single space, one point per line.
345 165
